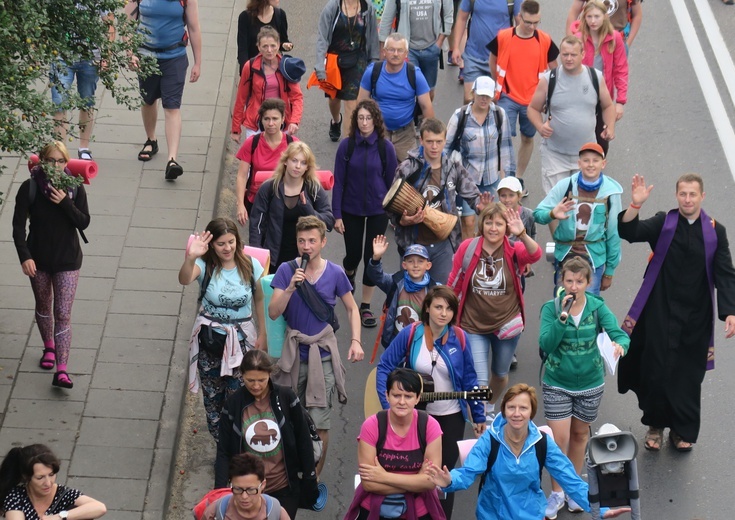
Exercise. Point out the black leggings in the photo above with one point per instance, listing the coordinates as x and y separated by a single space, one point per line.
452 431
289 499
355 227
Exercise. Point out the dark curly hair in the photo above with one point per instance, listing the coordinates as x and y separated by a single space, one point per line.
372 107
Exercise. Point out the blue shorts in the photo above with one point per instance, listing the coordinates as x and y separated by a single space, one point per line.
62 77
168 85
428 61
488 351
517 112
484 188
474 67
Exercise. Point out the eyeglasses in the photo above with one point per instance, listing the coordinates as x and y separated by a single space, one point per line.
248 491
390 50
364 118
532 24
55 162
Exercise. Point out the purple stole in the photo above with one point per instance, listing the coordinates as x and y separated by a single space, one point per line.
654 268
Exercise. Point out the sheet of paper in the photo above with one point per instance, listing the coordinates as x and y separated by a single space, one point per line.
607 351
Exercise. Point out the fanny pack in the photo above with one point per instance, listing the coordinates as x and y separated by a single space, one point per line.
314 301
393 506
213 342
512 328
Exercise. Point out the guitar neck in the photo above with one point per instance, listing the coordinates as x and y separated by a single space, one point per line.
447 396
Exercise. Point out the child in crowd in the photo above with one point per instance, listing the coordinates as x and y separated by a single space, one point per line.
405 290
510 193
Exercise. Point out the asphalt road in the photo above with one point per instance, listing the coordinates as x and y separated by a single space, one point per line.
668 129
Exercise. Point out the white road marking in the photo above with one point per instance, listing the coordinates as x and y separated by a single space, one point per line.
712 97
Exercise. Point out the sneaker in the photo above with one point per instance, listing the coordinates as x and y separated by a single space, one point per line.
572 506
553 504
514 363
84 154
460 76
335 130
489 418
449 60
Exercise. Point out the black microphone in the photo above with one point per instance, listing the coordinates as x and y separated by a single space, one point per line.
566 308
304 261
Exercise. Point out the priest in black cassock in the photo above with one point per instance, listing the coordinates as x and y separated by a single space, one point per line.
671 321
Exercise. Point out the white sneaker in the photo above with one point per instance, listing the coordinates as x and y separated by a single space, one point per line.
572 506
553 504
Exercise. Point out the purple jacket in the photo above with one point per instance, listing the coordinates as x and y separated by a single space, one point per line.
361 185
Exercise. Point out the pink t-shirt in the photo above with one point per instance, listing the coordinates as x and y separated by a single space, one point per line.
265 158
400 454
272 90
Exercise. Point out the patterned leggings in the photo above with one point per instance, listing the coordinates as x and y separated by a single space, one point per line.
216 388
57 290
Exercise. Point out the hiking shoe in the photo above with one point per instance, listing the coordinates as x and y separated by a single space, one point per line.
460 76
335 130
514 363
572 506
553 504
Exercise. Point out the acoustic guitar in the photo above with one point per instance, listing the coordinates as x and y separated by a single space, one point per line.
480 393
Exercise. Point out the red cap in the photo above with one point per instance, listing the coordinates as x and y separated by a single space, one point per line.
592 147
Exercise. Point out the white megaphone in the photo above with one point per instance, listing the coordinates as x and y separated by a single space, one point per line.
612 448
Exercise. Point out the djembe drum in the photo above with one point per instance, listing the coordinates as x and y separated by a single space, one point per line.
404 197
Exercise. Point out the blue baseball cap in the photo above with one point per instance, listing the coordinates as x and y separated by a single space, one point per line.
418 250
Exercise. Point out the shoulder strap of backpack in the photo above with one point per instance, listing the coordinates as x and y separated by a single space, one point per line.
253 146
467 258
411 334
377 69
499 125
205 283
32 190
383 158
550 89
222 504
411 74
541 448
250 81
461 337
272 508
596 84
421 426
350 148
382 417
461 123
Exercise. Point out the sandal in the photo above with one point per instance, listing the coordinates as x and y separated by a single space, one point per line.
173 170
62 379
653 439
678 443
367 318
48 361
147 155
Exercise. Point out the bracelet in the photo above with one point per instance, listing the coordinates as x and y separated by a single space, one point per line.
634 206
551 214
358 341
608 276
519 235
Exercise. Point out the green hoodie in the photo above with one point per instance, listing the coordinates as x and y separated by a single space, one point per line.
574 363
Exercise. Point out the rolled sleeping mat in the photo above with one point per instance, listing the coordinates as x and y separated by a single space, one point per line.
78 167
326 179
275 329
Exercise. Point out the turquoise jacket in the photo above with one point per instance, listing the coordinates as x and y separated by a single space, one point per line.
602 241
574 362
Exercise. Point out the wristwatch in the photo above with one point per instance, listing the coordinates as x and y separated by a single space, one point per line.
63 514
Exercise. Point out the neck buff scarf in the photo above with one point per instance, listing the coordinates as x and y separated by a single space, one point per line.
589 186
412 286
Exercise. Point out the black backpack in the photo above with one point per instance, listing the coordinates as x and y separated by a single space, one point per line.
410 73
552 83
421 424
541 448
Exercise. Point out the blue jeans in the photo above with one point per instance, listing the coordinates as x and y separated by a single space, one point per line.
593 287
428 61
62 77
491 354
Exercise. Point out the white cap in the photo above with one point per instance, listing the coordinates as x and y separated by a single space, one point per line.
484 86
510 183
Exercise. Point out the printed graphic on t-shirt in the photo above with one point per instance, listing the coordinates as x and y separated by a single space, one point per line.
230 296
405 316
420 9
431 196
584 216
403 461
612 7
408 309
489 278
262 435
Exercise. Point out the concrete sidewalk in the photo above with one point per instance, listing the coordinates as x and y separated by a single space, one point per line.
116 430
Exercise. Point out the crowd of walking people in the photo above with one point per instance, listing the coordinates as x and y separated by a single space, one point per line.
452 195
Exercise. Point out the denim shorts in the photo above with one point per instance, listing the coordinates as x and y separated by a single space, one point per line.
428 61
62 77
474 67
517 112
490 351
467 211
168 85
